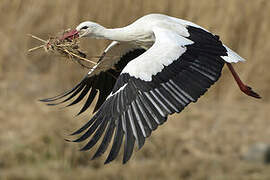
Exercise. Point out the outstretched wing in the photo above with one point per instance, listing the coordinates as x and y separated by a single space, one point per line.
165 79
101 77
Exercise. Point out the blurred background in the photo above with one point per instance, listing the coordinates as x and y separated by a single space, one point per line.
208 140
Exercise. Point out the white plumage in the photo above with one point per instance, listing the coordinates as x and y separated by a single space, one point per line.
153 68
167 43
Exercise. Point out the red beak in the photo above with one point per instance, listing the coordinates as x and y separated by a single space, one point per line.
70 35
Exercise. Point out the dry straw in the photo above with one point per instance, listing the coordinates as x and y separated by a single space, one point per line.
67 47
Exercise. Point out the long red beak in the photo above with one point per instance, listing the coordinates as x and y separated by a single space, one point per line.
70 35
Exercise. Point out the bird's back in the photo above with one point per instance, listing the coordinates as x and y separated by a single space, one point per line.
142 28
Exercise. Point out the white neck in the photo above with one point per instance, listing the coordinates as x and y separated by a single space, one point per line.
118 34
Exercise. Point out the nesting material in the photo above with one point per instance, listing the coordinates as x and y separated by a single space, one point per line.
68 48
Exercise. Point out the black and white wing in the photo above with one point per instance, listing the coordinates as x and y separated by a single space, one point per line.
101 77
175 71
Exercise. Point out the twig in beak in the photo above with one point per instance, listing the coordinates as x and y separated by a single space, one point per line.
37 38
68 47
81 58
35 48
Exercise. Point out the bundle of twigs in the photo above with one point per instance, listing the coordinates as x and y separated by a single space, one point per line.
66 47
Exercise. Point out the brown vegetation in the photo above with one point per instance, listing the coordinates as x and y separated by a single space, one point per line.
205 141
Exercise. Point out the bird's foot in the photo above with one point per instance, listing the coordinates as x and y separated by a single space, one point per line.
244 88
248 91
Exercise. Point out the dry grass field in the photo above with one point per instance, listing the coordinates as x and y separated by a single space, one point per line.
205 141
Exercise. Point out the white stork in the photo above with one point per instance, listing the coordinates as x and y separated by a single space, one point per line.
154 67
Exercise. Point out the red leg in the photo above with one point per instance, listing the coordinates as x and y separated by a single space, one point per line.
244 88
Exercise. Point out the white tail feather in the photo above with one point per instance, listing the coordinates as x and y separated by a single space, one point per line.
232 57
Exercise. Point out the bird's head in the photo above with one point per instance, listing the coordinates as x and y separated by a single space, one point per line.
84 29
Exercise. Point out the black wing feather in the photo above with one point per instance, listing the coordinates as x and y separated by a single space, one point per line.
63 94
96 136
106 140
129 138
117 142
81 96
74 93
89 101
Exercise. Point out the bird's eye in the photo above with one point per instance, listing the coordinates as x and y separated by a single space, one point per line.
84 27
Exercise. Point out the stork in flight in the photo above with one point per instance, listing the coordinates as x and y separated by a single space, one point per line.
154 67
